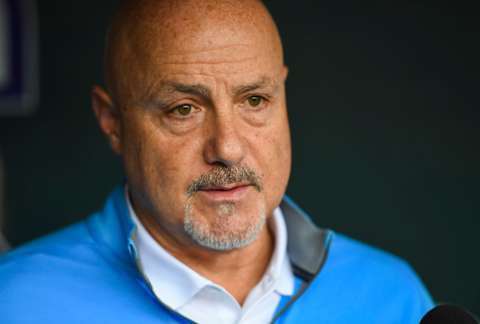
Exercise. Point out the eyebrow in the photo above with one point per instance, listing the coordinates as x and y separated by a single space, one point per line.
193 89
156 92
199 90
264 82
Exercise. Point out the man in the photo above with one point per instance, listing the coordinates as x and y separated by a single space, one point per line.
195 106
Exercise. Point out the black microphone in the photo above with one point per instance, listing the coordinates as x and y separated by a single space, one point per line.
448 314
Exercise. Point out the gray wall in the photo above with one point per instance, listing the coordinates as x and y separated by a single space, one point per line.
384 115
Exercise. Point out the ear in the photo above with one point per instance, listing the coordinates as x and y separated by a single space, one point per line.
108 117
284 73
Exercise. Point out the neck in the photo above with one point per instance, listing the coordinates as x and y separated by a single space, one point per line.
237 270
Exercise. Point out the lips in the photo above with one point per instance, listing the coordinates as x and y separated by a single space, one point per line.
232 186
227 192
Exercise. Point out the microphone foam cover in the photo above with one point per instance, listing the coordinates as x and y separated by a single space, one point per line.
448 314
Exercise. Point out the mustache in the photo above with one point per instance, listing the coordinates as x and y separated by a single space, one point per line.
225 175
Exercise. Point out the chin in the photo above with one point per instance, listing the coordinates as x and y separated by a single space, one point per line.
224 225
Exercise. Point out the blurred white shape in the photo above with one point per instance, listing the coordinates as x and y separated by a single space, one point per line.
4 45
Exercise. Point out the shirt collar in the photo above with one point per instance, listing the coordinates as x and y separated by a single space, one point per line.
169 277
279 267
177 283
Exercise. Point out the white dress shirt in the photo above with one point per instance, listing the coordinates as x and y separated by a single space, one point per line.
199 299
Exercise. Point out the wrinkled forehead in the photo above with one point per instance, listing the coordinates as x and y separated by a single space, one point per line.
220 36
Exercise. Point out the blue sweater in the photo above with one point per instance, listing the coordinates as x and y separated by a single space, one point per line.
86 273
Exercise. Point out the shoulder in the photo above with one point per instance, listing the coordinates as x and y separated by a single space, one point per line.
62 244
42 273
366 280
372 264
45 258
349 251
359 283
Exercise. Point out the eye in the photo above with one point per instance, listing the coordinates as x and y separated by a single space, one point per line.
254 101
183 110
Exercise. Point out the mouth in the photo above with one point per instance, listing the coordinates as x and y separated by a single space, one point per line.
231 192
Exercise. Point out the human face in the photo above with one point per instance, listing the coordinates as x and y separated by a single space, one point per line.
213 110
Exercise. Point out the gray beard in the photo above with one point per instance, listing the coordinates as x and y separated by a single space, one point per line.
227 240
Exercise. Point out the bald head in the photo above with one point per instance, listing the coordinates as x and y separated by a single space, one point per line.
146 33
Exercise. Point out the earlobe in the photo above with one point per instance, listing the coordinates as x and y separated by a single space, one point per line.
108 117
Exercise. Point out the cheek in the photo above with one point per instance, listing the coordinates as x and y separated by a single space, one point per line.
157 166
283 158
273 151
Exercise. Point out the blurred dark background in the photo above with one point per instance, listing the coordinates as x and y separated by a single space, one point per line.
384 109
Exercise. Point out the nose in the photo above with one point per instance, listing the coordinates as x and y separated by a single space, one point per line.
225 144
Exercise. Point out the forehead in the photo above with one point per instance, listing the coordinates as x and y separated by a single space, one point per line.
233 49
233 78
232 66
231 61
215 44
